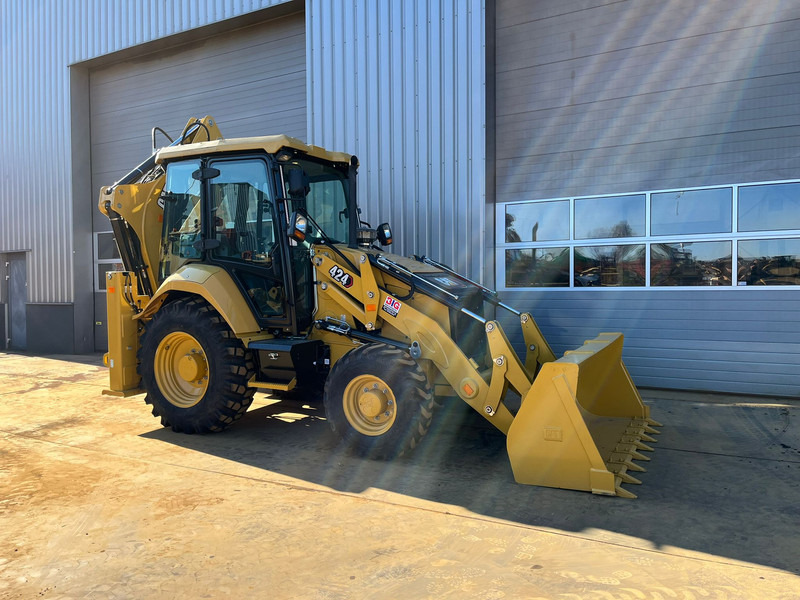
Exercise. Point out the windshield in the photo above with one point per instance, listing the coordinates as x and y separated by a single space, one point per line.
327 192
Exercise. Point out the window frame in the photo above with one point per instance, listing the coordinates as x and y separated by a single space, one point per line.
102 261
734 237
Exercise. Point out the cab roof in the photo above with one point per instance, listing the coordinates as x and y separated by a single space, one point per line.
268 143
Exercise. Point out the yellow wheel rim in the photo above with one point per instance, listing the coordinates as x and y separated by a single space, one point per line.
369 405
181 369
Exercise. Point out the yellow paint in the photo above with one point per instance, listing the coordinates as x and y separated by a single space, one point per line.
217 288
181 369
123 334
369 405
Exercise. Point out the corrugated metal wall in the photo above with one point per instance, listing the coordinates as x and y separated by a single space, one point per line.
39 39
609 97
402 85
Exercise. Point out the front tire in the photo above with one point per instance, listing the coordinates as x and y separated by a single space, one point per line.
194 369
379 401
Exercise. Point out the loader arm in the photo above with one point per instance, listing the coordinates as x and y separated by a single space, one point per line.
581 422
425 339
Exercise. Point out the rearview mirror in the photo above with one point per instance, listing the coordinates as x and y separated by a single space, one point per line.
298 227
384 234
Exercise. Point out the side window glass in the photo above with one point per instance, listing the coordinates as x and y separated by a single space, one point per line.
181 228
243 222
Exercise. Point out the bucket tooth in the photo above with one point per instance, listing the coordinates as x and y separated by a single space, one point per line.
653 422
630 450
640 434
620 471
644 425
623 493
625 459
634 440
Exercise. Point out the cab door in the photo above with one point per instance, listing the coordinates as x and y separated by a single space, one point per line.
248 240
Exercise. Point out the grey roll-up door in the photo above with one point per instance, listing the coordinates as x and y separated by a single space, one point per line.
252 80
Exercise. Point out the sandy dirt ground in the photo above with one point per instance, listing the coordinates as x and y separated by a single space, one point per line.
98 501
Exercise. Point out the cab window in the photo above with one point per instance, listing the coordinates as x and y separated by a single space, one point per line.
182 225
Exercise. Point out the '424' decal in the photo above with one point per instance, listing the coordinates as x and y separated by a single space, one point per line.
341 277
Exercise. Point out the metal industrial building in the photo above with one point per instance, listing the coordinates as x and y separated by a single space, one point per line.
622 165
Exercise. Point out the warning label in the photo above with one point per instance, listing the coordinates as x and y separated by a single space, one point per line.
391 306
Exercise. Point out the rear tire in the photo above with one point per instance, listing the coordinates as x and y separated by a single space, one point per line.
379 401
194 369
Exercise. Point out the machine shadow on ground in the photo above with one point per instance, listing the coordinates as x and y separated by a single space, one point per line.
722 481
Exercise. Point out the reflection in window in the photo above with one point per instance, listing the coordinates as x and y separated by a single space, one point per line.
769 262
769 207
694 211
182 217
103 269
243 223
615 217
537 267
601 266
537 222
106 246
690 263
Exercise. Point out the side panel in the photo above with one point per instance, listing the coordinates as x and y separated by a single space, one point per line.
738 341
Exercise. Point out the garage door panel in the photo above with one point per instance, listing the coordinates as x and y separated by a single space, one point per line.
167 82
256 41
259 98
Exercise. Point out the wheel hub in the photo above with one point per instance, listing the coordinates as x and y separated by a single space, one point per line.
369 405
372 403
181 369
192 366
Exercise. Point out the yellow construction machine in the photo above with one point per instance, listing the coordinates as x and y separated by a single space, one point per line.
247 267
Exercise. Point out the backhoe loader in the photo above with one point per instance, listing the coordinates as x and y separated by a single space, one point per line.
247 267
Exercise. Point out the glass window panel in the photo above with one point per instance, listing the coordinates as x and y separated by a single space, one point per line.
690 212
106 246
604 266
690 263
615 217
104 268
769 262
769 207
537 221
182 217
243 223
537 267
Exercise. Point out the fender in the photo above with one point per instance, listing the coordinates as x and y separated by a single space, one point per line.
216 287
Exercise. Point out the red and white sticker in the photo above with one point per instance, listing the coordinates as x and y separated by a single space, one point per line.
391 306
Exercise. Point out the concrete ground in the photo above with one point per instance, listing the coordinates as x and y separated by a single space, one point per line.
98 501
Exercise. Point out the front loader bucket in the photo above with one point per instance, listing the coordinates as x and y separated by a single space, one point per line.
582 423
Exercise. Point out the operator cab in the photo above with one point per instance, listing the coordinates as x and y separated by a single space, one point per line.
232 210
